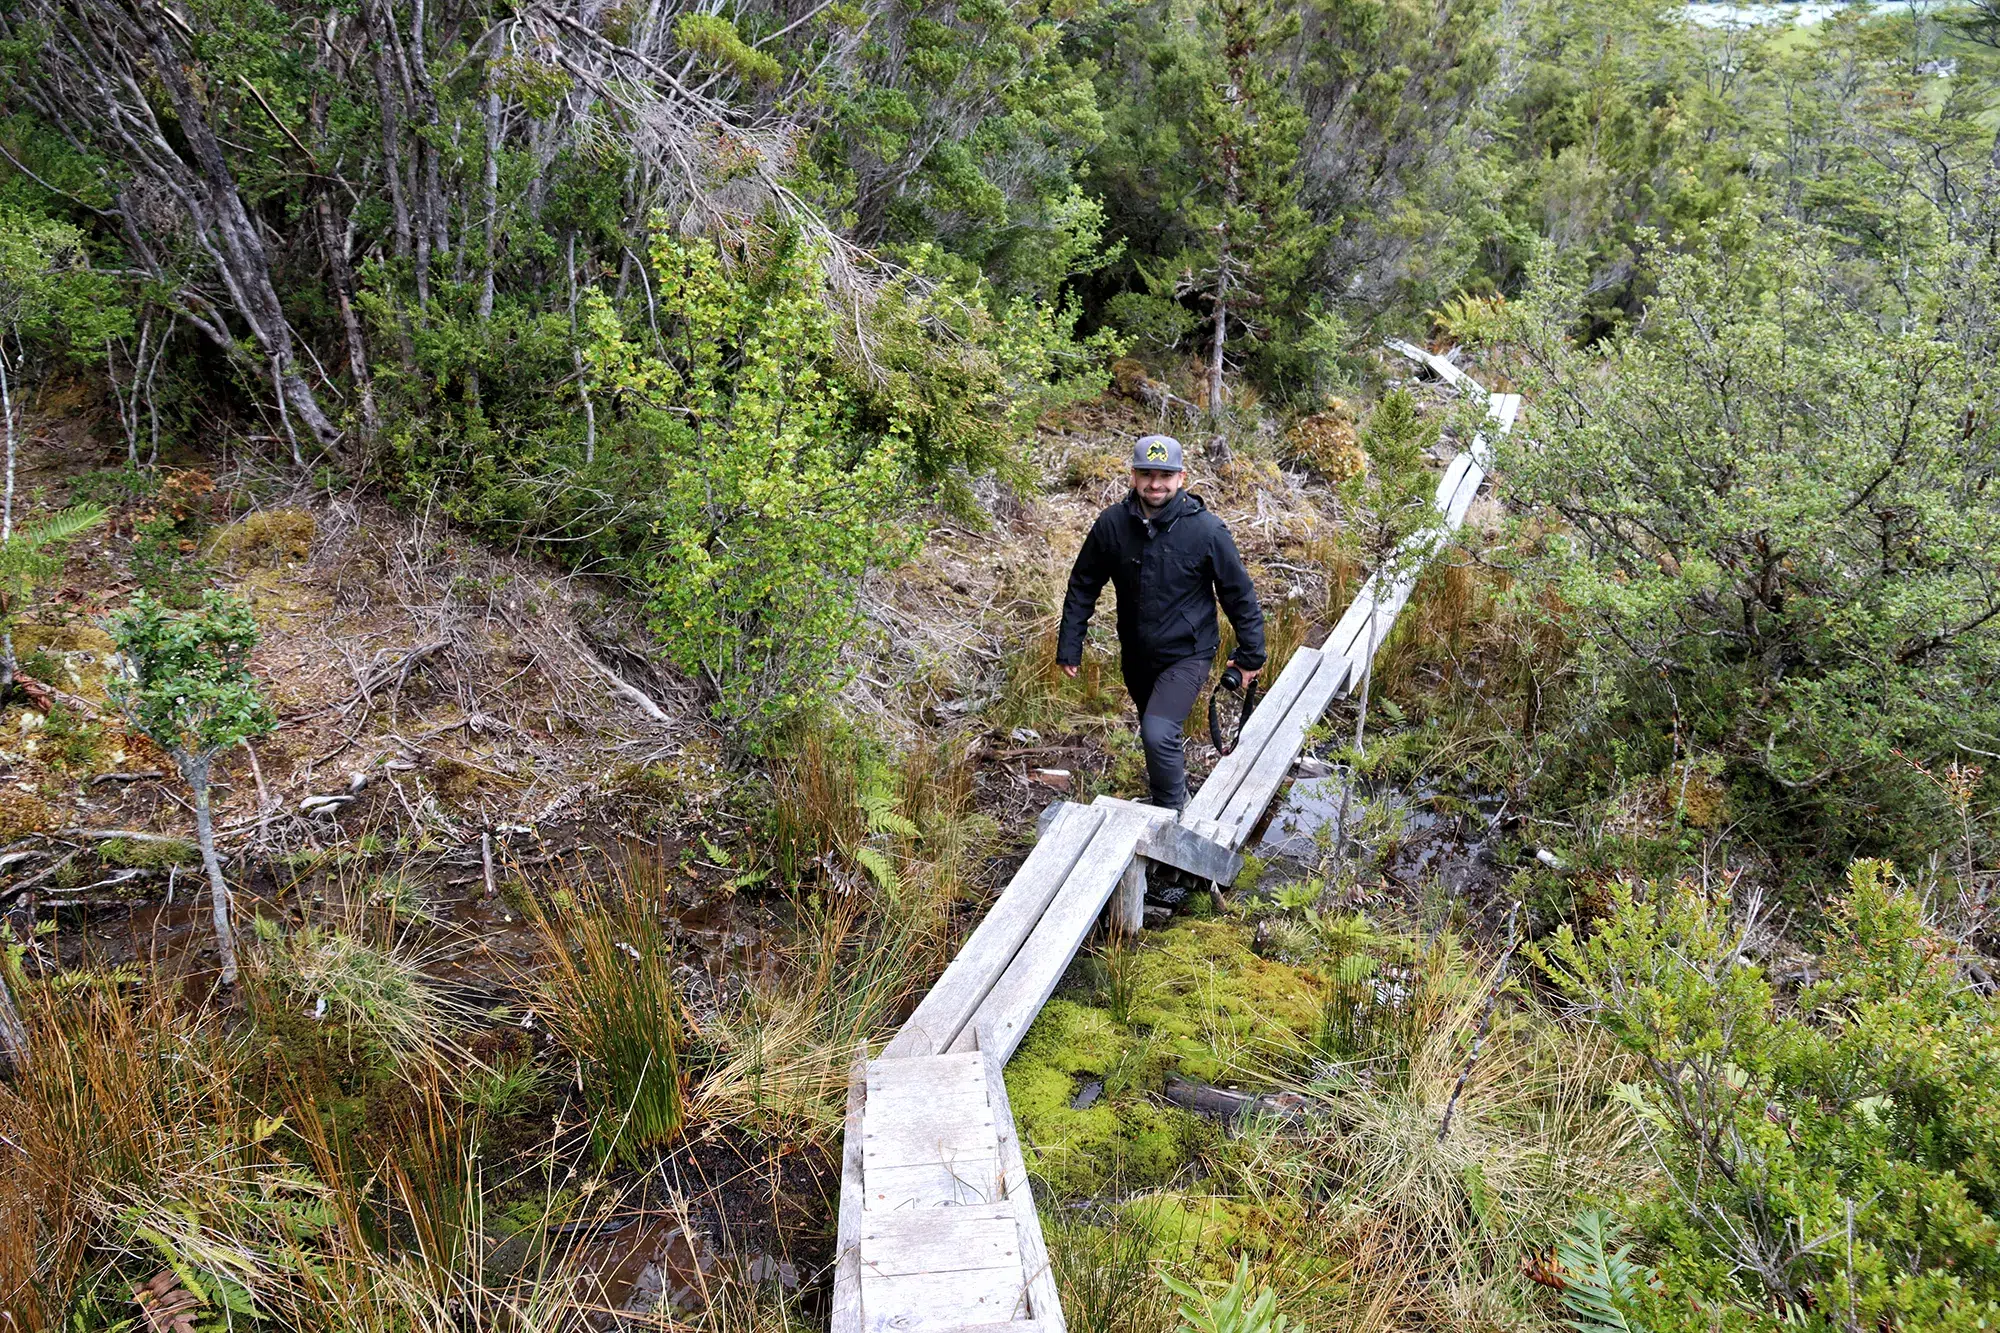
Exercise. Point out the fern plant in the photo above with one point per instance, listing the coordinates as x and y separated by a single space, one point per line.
884 821
28 555
1599 1282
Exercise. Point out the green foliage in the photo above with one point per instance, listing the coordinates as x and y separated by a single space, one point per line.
49 294
169 563
1234 1310
1773 519
1394 495
1599 1283
1831 1151
187 684
33 552
770 506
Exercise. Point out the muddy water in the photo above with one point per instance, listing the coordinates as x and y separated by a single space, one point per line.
1426 833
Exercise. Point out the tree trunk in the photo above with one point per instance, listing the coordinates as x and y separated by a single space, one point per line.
243 258
195 772
489 202
1221 338
7 511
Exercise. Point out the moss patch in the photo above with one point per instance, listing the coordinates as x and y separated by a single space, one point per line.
1210 1006
1203 1005
129 852
1124 1136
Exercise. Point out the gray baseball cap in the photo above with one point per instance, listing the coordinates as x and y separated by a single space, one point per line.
1157 453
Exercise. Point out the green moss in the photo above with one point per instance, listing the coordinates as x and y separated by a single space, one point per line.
1209 1005
1201 1004
1123 1136
147 853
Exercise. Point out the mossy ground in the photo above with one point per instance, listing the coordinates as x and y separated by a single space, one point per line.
1193 1000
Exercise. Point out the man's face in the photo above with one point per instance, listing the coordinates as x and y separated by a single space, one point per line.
1154 487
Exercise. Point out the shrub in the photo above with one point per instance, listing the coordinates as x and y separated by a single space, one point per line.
1766 515
1831 1151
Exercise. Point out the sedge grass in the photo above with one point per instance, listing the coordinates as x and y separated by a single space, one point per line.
607 990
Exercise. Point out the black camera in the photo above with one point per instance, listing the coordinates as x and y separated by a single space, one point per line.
1232 678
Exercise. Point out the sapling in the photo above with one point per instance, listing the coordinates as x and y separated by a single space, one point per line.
186 685
1398 525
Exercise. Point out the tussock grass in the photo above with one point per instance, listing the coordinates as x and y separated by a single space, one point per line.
608 992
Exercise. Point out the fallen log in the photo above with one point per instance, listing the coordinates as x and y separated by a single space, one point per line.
1223 1104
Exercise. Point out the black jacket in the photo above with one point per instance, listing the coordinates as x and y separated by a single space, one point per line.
1169 571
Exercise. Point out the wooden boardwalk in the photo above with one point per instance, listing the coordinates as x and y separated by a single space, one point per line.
938 1231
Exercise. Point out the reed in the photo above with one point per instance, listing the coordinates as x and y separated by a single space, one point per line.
607 990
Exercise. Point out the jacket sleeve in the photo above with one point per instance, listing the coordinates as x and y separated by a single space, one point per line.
1239 599
1087 578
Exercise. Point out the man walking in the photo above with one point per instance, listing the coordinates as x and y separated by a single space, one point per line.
1170 559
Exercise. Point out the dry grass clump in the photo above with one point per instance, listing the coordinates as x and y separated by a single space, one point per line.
608 992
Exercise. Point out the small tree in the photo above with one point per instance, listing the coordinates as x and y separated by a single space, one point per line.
1390 501
187 686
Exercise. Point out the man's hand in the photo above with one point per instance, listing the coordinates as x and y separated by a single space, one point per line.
1249 673
1069 671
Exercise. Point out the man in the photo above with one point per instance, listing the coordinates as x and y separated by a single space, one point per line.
1170 559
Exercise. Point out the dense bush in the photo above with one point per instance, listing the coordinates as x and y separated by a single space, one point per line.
1773 523
1829 1152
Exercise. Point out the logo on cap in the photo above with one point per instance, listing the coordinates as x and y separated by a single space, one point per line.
1157 451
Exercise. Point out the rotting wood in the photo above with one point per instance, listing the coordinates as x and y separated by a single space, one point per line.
1224 1104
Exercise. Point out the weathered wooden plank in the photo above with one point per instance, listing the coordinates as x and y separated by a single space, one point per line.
1454 477
890 1078
1440 367
942 1014
1461 501
936 1185
847 1231
1011 1326
948 1240
1260 786
1023 988
1128 903
915 1111
1043 1303
1222 781
942 1302
1215 793
918 1144
1180 846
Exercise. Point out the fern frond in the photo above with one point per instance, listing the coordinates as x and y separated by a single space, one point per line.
60 527
1599 1280
880 869
883 817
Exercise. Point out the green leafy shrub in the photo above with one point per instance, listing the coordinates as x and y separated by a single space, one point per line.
1829 1151
1765 516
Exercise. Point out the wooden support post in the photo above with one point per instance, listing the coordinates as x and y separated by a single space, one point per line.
1128 901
